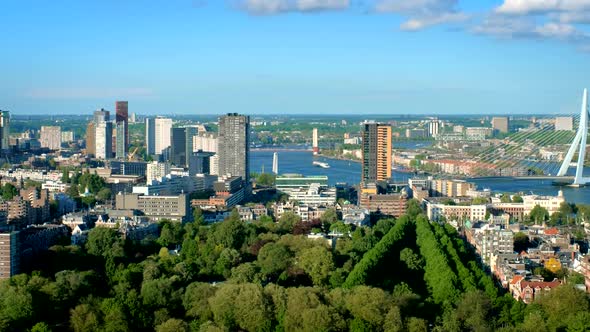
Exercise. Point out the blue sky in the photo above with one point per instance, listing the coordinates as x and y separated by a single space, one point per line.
294 56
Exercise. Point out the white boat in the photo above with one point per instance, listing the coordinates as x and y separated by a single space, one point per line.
321 164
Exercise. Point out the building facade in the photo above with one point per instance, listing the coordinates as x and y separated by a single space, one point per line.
234 145
122 119
50 137
376 152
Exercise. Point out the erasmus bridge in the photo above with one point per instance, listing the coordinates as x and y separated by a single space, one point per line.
538 152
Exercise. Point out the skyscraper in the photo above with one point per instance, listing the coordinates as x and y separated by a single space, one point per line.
101 115
181 146
162 127
4 129
50 137
150 136
120 145
433 128
234 145
104 140
376 152
122 115
91 138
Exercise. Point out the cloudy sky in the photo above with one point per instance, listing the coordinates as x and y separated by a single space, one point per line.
294 56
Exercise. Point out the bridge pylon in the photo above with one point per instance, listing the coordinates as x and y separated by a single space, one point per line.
579 144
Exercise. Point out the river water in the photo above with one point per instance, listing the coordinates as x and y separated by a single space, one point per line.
343 171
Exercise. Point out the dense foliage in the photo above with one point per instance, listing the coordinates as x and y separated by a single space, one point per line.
399 275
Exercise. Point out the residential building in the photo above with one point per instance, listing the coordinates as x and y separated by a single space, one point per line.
478 132
433 128
376 152
390 204
50 137
234 146
527 291
435 211
91 139
67 136
9 255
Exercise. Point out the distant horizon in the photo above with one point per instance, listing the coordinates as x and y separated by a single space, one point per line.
295 57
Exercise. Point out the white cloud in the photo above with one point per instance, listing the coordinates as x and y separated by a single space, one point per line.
524 7
269 7
422 13
415 24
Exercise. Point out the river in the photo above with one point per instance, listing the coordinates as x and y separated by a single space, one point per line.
343 171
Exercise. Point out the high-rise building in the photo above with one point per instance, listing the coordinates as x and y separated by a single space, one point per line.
433 128
104 140
234 145
500 123
9 254
275 163
91 139
206 142
120 145
122 115
4 129
181 145
67 136
50 137
156 170
101 115
376 151
316 148
150 136
162 127
564 123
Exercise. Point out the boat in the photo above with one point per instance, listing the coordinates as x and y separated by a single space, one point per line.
321 164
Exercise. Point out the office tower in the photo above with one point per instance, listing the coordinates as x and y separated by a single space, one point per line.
275 163
376 152
162 127
315 146
133 118
181 145
500 123
150 136
4 129
50 137
122 115
214 165
433 128
91 139
101 115
104 140
564 123
120 145
234 145
199 163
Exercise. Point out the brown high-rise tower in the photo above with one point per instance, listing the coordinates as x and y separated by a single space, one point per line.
376 152
122 115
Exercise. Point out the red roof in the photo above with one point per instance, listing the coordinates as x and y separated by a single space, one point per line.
552 231
540 284
516 279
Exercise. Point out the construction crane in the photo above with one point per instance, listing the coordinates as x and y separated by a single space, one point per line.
130 157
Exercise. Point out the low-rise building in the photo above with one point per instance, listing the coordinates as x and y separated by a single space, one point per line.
156 208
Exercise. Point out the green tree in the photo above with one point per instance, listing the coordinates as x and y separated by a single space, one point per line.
273 259
329 217
517 199
198 217
104 194
538 214
173 325
265 179
9 191
84 318
104 242
505 198
318 263
41 327
287 222
413 208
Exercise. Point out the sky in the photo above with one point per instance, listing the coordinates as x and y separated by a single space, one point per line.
294 56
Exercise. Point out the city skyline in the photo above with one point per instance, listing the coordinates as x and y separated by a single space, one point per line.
296 57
